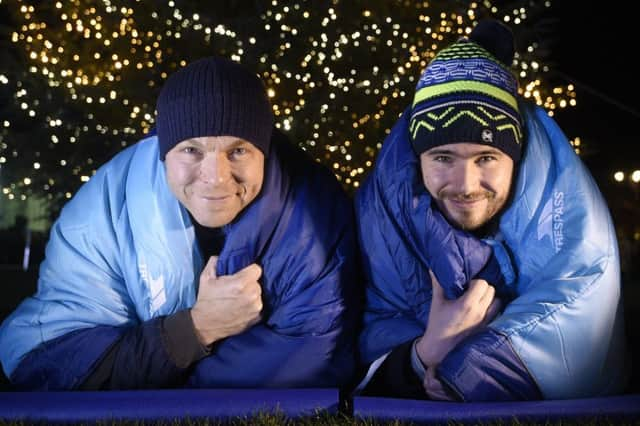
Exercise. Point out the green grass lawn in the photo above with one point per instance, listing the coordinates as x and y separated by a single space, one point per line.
329 420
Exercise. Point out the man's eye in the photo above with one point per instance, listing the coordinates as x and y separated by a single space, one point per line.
486 158
238 151
189 150
442 159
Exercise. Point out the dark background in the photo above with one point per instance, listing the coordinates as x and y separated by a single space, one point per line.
595 49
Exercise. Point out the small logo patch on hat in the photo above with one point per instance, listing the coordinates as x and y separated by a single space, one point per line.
487 136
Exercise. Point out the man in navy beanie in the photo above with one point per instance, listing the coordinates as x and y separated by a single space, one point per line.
491 260
215 254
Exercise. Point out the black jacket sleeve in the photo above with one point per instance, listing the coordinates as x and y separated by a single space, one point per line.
395 378
158 353
155 354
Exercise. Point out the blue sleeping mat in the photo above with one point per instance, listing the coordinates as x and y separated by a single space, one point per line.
165 405
625 407
222 404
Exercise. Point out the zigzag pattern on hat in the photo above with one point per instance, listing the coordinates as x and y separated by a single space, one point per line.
433 121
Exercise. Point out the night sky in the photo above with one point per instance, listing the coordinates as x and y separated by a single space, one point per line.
595 50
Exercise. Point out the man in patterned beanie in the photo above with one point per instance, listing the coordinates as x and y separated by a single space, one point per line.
466 214
465 108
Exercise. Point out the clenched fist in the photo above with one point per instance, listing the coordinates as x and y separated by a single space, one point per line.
226 305
450 321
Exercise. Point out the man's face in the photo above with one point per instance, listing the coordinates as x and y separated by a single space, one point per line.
469 182
215 177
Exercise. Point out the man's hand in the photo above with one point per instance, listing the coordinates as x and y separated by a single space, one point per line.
226 305
450 321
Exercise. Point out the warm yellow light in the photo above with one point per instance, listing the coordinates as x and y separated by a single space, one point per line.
635 176
618 176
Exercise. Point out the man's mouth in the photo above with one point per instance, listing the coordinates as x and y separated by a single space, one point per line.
467 202
216 197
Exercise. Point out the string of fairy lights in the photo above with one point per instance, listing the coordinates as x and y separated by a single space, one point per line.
338 76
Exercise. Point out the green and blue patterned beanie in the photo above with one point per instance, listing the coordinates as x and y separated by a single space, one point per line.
468 94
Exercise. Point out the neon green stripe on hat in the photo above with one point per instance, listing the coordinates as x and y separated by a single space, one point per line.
465 86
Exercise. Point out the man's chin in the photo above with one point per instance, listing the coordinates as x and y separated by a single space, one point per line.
214 221
466 223
470 227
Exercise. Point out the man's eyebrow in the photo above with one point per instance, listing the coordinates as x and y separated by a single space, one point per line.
440 151
233 144
192 141
236 143
437 151
492 151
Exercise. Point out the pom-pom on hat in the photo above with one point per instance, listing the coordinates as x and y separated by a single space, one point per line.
468 94
213 97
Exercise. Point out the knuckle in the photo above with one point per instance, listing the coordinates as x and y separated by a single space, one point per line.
256 301
252 290
254 271
257 290
482 284
236 290
491 290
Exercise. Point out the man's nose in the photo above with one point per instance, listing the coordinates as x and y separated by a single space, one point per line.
468 178
214 168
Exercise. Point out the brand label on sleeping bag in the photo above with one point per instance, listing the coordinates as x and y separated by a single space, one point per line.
551 222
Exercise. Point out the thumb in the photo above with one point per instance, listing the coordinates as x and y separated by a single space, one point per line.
210 268
438 292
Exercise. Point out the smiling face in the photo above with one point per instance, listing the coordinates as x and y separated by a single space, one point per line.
469 182
215 177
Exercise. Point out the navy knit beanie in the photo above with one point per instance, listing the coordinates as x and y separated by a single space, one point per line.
213 97
468 94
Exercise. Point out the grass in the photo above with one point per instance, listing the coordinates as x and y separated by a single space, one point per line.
322 419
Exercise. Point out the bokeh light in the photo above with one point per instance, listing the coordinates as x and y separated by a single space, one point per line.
81 76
